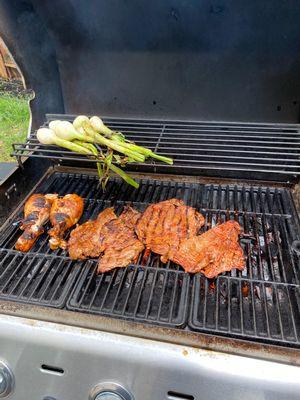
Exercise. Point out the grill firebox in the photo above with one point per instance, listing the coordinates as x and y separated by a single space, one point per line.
261 303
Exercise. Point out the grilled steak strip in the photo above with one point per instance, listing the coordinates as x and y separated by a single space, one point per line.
120 244
110 236
86 240
164 225
213 252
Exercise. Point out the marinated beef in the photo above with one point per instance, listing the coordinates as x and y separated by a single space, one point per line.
86 239
213 252
164 225
120 244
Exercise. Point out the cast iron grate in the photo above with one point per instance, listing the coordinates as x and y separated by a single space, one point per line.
247 308
263 301
260 303
237 150
35 278
139 293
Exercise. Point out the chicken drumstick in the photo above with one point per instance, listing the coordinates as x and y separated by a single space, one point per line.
65 212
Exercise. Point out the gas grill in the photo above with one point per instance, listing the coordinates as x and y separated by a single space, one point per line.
152 331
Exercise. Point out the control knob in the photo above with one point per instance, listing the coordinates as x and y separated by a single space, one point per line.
108 396
6 380
110 391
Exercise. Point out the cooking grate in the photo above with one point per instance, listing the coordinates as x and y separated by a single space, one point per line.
34 278
260 303
237 150
246 308
153 295
263 301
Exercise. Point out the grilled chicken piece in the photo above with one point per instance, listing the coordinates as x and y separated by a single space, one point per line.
65 212
36 214
213 252
164 225
120 245
86 240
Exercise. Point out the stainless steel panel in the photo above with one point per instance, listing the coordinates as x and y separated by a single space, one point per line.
148 369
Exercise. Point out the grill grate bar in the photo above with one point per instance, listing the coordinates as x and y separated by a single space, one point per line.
35 265
130 289
122 281
193 169
40 279
186 123
92 276
151 293
183 155
23 275
139 296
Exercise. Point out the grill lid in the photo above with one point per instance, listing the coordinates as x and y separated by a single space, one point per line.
159 59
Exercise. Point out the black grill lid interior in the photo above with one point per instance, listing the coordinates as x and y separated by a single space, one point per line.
222 61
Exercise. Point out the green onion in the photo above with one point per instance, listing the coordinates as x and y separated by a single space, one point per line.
48 136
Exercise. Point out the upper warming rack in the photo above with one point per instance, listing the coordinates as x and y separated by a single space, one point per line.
236 150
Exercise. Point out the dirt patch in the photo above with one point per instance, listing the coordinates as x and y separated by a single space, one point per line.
15 88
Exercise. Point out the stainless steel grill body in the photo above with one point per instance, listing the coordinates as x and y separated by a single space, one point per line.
64 362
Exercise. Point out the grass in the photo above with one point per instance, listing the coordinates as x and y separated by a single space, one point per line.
14 120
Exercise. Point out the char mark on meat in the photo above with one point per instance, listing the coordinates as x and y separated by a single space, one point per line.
212 253
36 214
120 245
65 212
164 225
86 240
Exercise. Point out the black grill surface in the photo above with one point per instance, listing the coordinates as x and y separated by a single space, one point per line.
36 278
261 303
237 150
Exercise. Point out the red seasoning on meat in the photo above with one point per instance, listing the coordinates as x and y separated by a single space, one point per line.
213 252
164 225
86 240
36 214
65 212
111 237
120 245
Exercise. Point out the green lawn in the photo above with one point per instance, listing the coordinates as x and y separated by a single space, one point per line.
14 120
